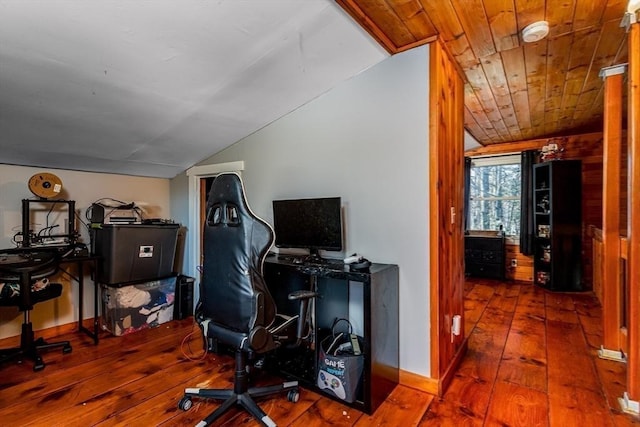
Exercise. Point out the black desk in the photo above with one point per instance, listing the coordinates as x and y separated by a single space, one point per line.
375 290
80 262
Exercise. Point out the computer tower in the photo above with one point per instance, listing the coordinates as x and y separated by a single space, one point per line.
183 304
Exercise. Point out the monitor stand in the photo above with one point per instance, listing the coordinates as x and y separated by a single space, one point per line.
314 257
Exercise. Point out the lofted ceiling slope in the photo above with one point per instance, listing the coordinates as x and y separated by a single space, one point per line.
151 88
514 90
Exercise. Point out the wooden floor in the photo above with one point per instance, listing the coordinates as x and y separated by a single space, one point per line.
531 362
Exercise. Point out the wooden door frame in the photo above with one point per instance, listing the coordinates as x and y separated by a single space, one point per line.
194 236
446 219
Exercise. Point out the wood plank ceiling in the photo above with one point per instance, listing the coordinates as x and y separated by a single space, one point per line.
514 91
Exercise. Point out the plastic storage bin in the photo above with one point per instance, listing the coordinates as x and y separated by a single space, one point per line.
134 252
128 309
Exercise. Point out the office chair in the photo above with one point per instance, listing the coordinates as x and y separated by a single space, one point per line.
235 307
23 268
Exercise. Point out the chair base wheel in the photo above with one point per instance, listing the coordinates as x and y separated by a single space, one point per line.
293 396
185 403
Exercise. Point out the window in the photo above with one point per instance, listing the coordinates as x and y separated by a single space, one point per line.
494 194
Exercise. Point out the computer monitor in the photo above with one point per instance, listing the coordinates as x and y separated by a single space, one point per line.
314 224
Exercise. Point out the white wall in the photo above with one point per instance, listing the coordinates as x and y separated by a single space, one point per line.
469 141
367 142
84 188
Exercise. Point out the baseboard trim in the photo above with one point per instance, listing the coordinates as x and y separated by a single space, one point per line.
53 331
435 386
448 375
419 382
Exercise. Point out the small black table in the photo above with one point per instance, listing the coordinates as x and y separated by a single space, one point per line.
80 262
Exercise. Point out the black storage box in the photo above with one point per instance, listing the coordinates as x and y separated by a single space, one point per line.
134 252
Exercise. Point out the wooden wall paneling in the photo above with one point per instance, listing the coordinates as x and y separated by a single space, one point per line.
523 272
446 200
529 11
475 110
560 17
606 49
572 88
483 35
445 19
470 120
478 81
588 14
472 16
535 55
497 77
414 18
624 174
633 235
579 60
612 35
501 15
598 254
557 61
585 102
516 76
612 135
390 43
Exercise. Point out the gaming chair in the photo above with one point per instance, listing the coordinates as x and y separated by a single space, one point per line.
235 307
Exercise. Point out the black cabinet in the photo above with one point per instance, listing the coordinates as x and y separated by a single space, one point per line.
558 225
369 298
484 256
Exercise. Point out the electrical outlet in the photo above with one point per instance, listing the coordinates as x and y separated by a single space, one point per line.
514 263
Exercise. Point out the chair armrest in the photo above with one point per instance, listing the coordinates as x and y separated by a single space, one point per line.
302 295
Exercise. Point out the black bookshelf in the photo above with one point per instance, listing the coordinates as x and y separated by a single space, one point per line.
558 225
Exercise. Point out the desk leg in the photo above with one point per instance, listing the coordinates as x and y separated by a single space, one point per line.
96 322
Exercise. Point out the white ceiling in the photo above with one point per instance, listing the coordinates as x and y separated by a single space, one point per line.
152 87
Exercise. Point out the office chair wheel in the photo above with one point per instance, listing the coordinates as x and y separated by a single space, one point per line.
293 396
38 364
67 349
185 403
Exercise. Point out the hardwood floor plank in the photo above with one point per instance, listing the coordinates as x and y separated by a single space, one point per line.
445 413
132 394
467 396
327 412
513 405
404 407
560 307
78 392
506 297
524 361
519 336
579 407
531 302
475 302
590 317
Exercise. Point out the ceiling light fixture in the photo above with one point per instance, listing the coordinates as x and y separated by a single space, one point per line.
535 32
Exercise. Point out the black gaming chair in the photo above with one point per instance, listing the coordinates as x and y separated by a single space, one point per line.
235 307
24 268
